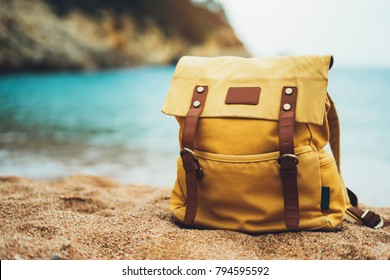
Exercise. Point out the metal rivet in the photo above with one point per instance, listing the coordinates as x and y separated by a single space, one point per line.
288 91
286 107
196 103
200 89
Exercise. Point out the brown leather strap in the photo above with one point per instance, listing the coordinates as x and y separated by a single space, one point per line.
190 163
367 218
370 219
352 198
287 160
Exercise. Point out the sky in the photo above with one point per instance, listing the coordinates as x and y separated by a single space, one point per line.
356 32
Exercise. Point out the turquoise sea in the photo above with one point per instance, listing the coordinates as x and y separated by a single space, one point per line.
109 123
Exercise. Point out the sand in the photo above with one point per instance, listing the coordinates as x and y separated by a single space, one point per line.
84 217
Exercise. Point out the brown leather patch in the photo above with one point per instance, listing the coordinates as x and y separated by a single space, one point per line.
243 95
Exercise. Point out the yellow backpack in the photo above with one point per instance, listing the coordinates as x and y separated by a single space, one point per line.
252 136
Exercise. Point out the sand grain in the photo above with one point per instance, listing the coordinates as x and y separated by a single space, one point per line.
84 217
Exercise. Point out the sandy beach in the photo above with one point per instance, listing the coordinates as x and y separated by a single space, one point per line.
84 217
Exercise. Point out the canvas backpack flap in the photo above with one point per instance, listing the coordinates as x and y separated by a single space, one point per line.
271 74
236 142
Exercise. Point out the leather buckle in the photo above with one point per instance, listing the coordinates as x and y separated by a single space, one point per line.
191 152
380 224
198 170
368 221
285 156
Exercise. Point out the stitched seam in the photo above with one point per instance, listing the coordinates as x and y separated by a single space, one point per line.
311 137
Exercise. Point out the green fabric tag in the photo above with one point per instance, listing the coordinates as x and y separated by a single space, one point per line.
325 198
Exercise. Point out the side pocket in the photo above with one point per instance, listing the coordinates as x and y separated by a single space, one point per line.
332 190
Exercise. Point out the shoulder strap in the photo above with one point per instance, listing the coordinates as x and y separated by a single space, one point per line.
334 132
368 218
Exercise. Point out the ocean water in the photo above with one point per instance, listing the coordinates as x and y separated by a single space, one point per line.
110 124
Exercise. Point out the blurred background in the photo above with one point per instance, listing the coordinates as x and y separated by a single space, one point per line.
82 83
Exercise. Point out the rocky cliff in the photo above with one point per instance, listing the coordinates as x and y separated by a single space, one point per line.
93 34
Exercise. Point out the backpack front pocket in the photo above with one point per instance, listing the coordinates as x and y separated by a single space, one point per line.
245 193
